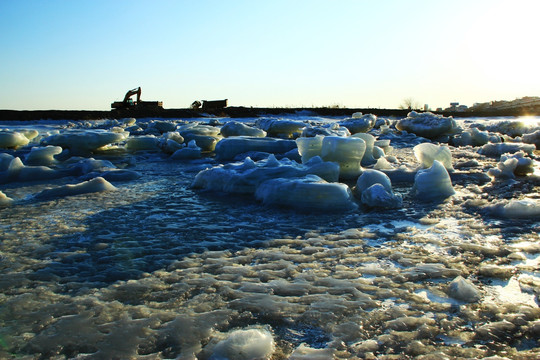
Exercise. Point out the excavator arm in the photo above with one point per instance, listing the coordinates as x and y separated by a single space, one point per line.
136 105
132 92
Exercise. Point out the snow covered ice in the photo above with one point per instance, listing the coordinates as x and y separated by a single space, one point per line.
273 238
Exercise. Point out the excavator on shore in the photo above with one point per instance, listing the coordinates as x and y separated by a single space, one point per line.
128 102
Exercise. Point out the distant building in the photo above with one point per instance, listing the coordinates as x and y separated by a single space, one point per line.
455 107
527 102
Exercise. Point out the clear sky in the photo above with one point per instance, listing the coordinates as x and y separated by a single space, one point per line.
84 54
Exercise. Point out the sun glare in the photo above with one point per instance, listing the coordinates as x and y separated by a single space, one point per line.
530 120
502 43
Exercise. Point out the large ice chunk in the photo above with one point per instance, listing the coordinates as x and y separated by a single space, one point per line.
192 151
374 189
376 196
83 142
368 158
426 153
518 209
12 139
5 160
332 129
43 155
512 165
245 345
473 137
512 128
235 128
142 143
359 123
4 200
304 352
463 290
309 147
247 176
205 136
503 148
170 142
307 193
370 177
433 183
229 148
161 126
98 184
281 128
82 166
427 124
347 152
198 129
17 171
532 138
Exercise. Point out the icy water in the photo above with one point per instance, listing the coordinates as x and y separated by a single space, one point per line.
158 270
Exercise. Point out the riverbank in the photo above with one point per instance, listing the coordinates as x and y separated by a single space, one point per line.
232 112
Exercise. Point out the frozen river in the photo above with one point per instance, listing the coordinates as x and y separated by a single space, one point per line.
159 269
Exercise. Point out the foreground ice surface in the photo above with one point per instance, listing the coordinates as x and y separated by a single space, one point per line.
159 270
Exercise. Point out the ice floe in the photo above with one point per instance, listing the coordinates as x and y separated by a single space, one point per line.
309 193
244 345
229 148
191 151
84 142
464 290
97 184
235 128
281 128
359 123
5 200
245 177
374 189
18 172
347 152
43 155
427 153
512 165
12 139
433 183
532 138
427 125
498 149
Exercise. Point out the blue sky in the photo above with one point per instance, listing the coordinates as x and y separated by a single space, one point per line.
85 54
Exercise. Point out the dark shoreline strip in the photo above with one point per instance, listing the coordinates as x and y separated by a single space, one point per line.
232 112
